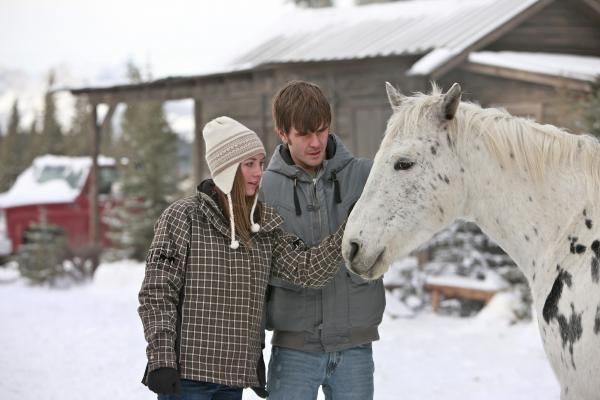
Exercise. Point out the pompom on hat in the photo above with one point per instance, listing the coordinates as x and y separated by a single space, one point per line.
228 143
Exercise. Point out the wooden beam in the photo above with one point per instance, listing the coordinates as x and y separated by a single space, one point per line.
165 89
94 209
526 76
489 38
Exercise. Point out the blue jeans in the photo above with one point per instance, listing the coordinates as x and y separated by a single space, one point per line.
344 375
194 390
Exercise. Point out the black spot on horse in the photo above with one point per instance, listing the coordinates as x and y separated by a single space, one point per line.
597 321
446 179
530 199
526 237
433 150
584 212
448 139
573 240
550 310
588 223
595 261
533 263
512 155
570 330
567 278
441 209
579 249
462 170
440 177
535 231
533 277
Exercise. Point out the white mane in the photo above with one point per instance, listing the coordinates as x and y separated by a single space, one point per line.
514 142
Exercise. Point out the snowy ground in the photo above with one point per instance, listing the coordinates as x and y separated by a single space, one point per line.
87 343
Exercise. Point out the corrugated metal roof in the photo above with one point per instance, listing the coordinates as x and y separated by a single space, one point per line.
414 27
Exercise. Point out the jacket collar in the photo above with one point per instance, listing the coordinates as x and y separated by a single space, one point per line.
336 158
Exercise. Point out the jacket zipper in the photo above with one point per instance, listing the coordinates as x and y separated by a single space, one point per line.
318 208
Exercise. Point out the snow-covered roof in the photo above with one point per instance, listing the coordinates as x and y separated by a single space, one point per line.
436 29
50 180
583 68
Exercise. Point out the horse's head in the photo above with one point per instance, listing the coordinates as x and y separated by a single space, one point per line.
415 187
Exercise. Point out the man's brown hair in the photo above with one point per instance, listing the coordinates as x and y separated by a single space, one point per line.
301 105
242 206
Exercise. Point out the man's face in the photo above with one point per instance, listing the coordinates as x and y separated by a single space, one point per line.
307 148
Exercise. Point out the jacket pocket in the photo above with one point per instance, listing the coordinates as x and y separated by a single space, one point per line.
366 301
286 307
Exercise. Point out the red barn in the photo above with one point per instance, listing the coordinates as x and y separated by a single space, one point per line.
54 189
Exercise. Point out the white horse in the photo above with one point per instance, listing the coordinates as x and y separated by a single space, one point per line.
534 189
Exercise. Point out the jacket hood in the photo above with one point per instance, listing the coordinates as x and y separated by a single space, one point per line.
337 156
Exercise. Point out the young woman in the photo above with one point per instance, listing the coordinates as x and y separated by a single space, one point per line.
201 301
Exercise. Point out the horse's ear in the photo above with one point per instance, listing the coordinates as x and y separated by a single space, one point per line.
394 96
451 101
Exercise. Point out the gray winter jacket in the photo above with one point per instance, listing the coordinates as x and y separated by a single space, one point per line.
346 312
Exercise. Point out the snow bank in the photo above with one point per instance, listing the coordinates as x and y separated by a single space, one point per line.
119 275
88 342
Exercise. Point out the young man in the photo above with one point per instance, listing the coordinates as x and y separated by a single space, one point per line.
322 337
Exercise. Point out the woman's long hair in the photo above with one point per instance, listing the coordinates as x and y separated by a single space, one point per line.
242 205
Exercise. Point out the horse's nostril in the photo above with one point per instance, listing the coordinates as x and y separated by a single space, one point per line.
354 247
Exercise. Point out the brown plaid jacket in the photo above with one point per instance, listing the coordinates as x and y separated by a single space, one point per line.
201 302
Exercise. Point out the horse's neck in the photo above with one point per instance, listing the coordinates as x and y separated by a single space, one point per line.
532 222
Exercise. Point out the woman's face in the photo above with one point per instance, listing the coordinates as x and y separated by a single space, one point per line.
252 170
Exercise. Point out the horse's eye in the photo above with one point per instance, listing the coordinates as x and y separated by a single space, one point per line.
403 165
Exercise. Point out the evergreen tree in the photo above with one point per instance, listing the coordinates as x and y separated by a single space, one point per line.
12 156
149 177
52 136
79 135
592 109
35 142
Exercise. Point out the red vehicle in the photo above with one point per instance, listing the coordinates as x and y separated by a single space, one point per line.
54 190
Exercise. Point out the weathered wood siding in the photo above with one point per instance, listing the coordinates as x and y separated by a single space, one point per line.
562 27
545 104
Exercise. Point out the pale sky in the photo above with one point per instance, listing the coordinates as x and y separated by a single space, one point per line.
175 36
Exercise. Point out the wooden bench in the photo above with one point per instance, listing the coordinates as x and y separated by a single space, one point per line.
456 287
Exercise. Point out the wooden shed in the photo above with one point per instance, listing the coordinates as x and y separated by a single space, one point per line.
534 57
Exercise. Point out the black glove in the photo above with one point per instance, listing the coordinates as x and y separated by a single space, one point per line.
164 381
261 390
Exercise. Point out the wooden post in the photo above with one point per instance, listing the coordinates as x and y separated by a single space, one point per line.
198 155
94 210
435 299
